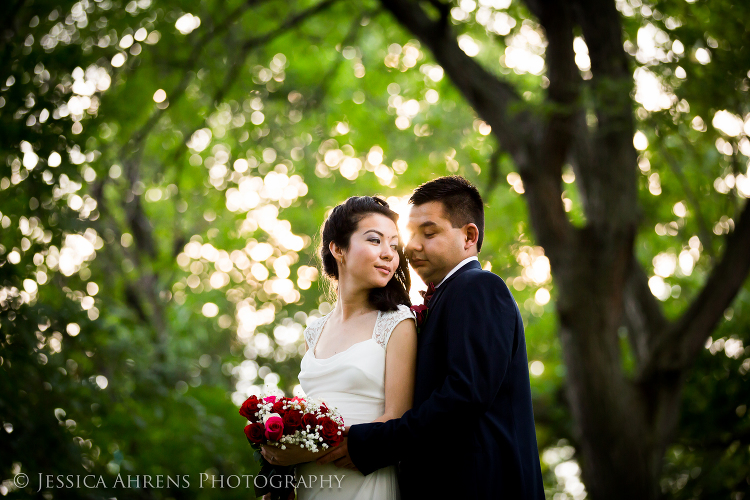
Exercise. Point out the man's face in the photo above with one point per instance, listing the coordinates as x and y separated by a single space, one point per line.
435 247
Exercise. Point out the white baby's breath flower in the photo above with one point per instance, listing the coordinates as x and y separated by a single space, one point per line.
269 415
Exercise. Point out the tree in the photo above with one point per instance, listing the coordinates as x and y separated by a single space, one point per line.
624 423
167 165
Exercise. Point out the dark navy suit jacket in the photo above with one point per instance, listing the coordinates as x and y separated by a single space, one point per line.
471 430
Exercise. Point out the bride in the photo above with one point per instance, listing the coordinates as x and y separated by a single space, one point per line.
359 358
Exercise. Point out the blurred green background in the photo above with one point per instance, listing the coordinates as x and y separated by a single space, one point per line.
165 167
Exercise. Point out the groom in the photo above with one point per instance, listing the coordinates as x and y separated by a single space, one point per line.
471 431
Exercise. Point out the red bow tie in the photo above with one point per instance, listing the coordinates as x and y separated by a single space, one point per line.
427 294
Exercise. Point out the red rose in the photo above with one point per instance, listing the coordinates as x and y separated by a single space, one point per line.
278 407
292 421
324 409
421 314
309 419
250 408
274 427
255 432
330 431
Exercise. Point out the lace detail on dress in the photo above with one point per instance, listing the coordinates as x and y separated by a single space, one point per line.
312 332
387 321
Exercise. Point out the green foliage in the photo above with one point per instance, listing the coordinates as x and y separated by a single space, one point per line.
127 349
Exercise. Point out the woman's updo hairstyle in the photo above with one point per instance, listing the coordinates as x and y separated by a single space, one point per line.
338 228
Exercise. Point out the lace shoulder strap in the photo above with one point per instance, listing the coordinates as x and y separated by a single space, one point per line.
387 321
312 332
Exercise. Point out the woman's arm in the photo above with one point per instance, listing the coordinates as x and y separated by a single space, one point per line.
400 368
400 365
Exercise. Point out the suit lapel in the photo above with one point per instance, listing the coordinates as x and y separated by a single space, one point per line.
469 265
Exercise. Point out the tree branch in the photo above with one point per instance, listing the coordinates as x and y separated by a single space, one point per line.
229 20
495 101
613 195
582 157
245 48
7 32
350 37
493 177
289 22
678 347
543 182
643 315
179 90
136 218
443 8
537 147
231 77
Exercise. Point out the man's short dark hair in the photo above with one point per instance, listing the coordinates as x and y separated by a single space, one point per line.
461 201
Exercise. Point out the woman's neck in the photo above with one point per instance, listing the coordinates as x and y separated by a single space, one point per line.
352 301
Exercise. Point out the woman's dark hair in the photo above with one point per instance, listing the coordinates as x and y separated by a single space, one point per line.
338 228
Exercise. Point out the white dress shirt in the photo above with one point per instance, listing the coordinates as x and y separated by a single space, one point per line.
458 266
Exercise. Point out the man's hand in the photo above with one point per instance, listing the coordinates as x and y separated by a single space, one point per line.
339 455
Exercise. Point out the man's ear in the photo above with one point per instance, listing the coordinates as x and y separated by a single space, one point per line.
471 235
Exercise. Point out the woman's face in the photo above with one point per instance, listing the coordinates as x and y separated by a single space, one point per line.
371 259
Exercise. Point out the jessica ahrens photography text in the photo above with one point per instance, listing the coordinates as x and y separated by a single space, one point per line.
181 481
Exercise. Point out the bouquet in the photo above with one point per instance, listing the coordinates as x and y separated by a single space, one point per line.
282 422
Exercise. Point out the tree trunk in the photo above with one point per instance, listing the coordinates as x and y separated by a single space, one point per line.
618 444
623 421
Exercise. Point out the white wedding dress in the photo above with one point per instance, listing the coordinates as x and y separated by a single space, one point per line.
353 381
